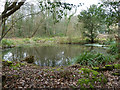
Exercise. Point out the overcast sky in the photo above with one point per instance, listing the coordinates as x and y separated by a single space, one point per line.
87 3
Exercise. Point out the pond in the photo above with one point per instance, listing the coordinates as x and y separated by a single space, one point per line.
48 55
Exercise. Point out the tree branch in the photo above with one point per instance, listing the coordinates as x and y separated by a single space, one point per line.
10 7
15 23
13 8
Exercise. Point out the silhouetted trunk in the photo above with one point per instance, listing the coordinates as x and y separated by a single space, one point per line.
92 40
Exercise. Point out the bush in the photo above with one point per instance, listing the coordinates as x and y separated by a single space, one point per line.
92 59
108 42
6 42
113 49
35 39
26 40
71 40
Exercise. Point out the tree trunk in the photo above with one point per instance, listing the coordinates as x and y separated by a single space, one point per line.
91 32
92 40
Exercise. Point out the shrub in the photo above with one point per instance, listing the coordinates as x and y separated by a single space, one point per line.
71 40
6 42
108 42
26 40
113 49
35 39
92 59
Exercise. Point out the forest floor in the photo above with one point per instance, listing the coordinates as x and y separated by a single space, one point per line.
74 76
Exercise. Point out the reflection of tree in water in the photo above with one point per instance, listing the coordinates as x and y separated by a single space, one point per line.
4 53
48 55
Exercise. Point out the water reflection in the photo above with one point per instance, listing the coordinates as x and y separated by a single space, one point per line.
59 55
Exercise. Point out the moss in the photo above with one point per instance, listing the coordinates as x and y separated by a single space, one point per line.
109 67
22 64
9 61
17 65
58 69
95 72
3 60
95 68
83 81
6 63
13 67
116 74
91 86
90 81
103 69
117 66
85 70
51 69
16 76
45 70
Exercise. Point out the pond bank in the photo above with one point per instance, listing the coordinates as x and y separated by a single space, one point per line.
31 76
48 40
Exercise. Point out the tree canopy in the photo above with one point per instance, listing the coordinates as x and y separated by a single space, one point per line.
92 18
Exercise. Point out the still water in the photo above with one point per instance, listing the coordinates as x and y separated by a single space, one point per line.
56 55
